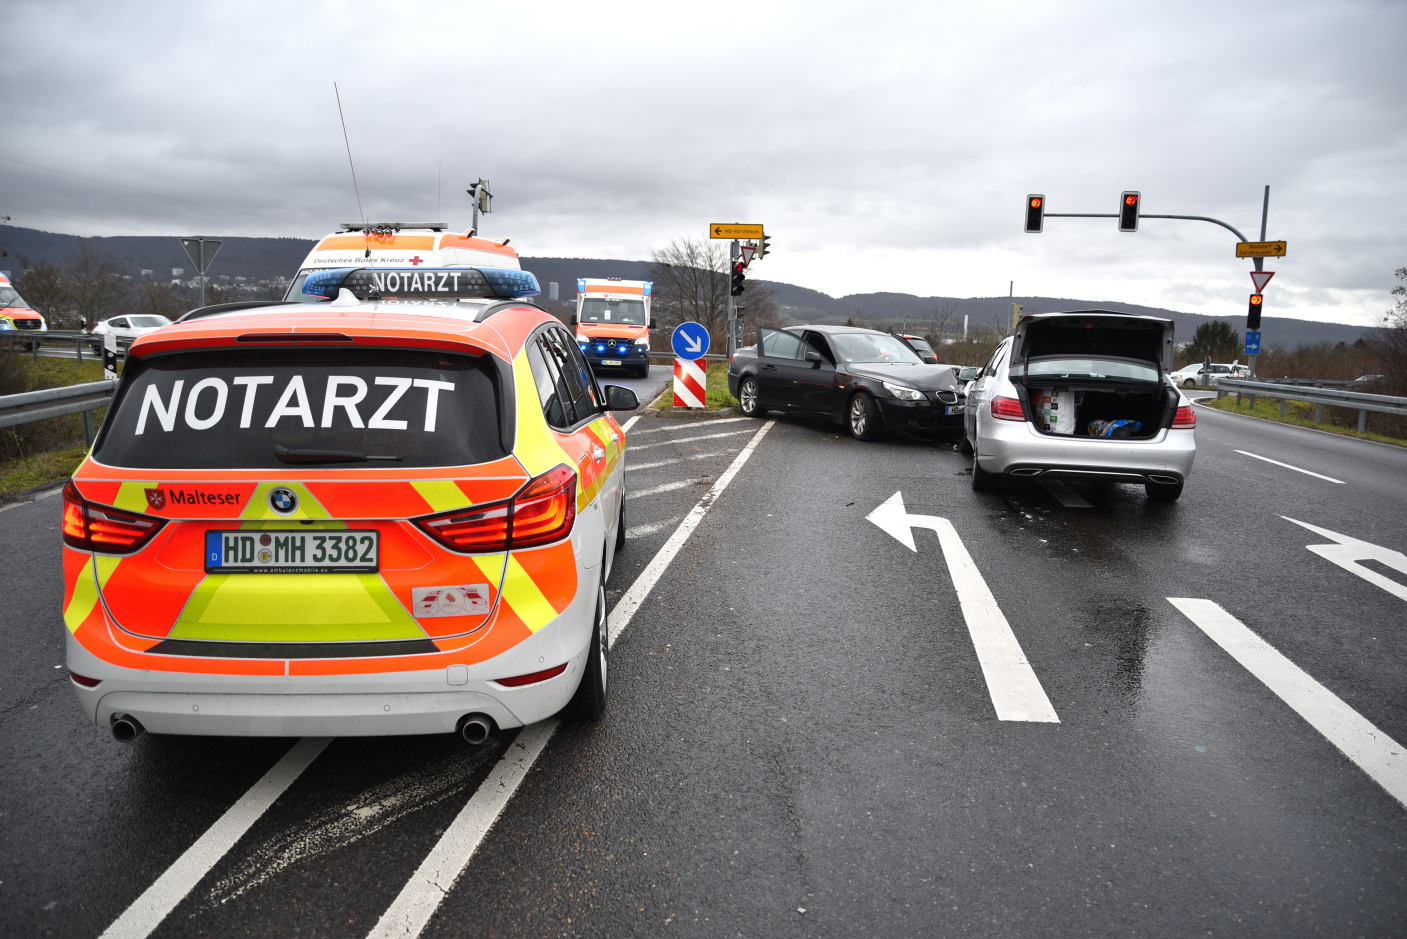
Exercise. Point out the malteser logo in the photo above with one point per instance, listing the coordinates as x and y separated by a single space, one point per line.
156 498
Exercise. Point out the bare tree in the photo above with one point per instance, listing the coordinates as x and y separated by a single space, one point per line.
160 299
758 307
691 283
43 285
95 287
937 319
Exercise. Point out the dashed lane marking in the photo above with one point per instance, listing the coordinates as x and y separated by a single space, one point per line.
1346 552
147 911
640 531
656 490
1288 466
691 425
669 443
678 459
624 611
1375 752
1064 494
631 423
412 909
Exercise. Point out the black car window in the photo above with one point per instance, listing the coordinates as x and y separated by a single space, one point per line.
574 372
781 345
990 368
546 382
818 342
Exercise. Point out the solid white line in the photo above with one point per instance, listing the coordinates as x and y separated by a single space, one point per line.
1016 692
631 601
147 911
1288 466
693 425
1375 752
412 909
631 423
666 443
678 459
667 487
1064 494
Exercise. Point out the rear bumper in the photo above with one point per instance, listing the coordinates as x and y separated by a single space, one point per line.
1019 449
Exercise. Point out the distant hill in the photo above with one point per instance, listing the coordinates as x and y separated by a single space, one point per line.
266 258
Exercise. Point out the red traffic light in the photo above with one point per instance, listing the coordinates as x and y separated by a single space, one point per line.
1128 211
1257 299
1036 202
1130 200
1035 213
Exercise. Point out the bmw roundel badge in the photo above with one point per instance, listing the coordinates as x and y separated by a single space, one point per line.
282 500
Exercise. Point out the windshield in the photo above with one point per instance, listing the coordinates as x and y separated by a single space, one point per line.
147 322
10 297
227 409
1088 368
617 312
875 348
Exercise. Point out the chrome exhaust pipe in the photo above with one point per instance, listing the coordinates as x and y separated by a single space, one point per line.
1165 480
475 728
1027 471
126 728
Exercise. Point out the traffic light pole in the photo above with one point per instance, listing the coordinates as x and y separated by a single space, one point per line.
734 252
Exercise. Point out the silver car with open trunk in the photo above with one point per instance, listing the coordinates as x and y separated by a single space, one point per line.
1083 394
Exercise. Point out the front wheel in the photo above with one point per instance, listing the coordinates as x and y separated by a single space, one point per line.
589 702
865 422
643 371
747 398
1189 383
1163 492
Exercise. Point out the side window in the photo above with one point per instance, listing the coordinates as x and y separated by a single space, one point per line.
575 375
546 386
120 322
818 342
779 345
990 367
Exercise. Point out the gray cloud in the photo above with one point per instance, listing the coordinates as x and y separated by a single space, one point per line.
885 146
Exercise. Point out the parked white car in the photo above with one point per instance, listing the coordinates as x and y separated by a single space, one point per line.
1196 374
127 328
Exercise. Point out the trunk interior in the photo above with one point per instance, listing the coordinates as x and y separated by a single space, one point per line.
1151 407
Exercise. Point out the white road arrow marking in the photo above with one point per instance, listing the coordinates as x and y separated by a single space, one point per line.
1016 692
1349 551
691 343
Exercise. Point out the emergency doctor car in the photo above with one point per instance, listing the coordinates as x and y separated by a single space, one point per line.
388 508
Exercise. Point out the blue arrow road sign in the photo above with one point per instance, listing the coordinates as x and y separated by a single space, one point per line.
1252 342
690 340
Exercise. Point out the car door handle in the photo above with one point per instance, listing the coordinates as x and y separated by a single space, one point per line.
769 368
598 453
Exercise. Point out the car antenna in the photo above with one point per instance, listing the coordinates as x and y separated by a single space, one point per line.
348 142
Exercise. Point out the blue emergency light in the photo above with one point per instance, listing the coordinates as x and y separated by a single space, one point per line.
445 283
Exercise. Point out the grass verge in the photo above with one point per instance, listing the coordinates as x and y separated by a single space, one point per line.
1297 413
39 469
716 394
64 434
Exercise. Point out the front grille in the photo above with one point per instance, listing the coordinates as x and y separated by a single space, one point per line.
948 397
26 324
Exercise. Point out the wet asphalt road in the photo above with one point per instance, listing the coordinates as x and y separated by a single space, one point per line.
799 722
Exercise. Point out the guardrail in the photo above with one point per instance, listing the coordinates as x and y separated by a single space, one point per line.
35 338
31 406
1358 400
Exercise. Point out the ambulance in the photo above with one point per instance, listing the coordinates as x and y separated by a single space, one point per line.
613 323
15 313
402 244
390 507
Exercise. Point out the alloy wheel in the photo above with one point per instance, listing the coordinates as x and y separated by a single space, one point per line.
857 416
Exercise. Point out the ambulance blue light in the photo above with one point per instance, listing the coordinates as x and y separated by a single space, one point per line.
648 287
325 283
581 285
600 347
510 283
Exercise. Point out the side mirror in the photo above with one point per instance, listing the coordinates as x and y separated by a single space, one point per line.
967 374
653 323
573 322
812 355
620 398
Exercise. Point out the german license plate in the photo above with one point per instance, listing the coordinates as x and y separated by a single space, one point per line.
955 409
610 361
292 552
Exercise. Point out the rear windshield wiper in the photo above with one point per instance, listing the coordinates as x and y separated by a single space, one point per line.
287 455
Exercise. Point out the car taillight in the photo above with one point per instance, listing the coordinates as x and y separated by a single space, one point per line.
542 512
1185 417
102 528
1007 409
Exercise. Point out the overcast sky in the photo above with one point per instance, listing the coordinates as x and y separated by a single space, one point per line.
885 146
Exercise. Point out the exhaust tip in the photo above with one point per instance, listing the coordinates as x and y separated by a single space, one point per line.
1027 471
474 729
126 728
1165 480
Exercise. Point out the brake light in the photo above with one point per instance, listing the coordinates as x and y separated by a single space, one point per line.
542 512
89 527
1007 409
517 681
1185 417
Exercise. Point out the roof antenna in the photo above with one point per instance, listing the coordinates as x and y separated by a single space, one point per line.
348 142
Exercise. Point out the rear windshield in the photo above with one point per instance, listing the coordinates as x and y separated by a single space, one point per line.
619 312
1071 369
226 409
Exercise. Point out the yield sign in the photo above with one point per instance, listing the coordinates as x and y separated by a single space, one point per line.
1261 278
748 251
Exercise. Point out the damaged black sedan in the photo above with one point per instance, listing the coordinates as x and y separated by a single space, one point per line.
868 380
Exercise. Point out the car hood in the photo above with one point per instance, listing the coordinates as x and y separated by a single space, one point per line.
922 377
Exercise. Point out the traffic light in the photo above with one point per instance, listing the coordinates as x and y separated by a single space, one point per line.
482 196
1253 317
1035 213
1128 211
739 280
764 244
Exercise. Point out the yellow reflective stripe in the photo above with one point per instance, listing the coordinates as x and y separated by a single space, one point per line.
441 494
537 448
491 566
85 597
521 592
132 497
295 608
259 507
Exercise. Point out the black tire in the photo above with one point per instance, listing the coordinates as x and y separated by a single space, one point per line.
747 398
589 702
643 371
620 528
965 445
982 481
1163 492
863 419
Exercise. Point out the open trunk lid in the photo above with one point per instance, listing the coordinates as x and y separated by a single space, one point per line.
1101 333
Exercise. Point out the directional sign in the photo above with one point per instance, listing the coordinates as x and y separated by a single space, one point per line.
1260 249
734 230
1260 279
748 251
690 340
1252 342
